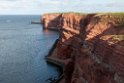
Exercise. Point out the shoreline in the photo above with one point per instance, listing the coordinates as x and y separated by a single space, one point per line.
51 29
56 62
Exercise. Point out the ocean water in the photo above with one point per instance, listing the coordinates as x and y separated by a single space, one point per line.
23 47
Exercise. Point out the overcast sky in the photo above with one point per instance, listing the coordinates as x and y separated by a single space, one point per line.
43 6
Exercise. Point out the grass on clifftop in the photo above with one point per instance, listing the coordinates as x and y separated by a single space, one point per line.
111 13
118 17
81 13
118 37
113 37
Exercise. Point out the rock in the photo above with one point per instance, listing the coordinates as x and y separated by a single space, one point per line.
51 21
92 45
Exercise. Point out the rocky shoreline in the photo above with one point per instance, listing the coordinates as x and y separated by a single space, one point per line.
55 62
91 46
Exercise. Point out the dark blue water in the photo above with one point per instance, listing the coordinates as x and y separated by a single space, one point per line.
23 47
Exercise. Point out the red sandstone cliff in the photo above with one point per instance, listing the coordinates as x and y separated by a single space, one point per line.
51 21
91 46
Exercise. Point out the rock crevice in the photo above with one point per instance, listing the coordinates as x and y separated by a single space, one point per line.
90 45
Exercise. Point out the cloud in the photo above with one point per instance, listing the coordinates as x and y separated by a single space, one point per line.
41 6
29 4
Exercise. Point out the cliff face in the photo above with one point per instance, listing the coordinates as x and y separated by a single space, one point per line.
92 47
51 21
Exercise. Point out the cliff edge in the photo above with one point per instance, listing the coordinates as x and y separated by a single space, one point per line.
91 46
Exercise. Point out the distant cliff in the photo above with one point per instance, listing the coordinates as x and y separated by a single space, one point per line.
91 45
51 21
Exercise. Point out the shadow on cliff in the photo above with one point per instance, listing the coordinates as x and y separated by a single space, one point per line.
53 24
66 48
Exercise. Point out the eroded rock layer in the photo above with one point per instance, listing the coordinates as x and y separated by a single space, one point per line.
51 21
91 45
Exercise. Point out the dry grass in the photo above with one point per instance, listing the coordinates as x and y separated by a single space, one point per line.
113 37
118 37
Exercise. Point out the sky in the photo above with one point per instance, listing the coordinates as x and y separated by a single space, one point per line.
45 6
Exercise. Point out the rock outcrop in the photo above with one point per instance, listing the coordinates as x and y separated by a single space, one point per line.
51 21
91 46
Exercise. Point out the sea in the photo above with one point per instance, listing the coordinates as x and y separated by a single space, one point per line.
23 47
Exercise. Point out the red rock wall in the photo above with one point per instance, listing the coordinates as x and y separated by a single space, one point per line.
51 21
87 46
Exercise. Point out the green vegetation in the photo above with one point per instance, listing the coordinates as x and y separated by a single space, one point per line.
119 19
110 13
118 37
81 13
116 17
